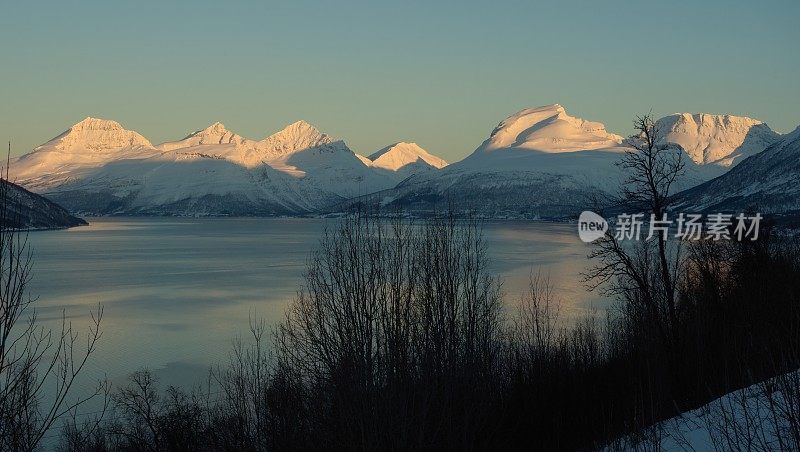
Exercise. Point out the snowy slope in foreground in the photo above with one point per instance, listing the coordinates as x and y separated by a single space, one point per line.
761 417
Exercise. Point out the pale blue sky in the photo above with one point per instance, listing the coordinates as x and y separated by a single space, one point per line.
441 74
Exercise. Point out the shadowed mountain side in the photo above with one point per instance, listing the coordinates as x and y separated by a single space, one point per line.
758 138
335 168
515 184
26 210
768 182
188 185
489 194
419 168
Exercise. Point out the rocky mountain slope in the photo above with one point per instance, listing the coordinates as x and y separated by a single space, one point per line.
722 140
768 182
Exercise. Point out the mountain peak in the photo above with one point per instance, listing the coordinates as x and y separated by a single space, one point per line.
216 126
90 123
89 143
377 154
301 123
296 136
298 129
549 129
398 155
216 133
766 179
94 134
716 139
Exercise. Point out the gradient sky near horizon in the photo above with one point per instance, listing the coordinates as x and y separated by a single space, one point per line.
373 73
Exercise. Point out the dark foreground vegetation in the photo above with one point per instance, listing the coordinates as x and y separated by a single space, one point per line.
398 341
38 366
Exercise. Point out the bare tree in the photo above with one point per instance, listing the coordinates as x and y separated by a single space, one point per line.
645 274
246 402
395 318
38 367
535 330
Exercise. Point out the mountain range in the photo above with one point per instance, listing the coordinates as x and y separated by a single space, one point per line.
544 163
537 163
98 167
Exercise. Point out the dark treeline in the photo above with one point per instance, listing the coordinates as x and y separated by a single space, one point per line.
398 341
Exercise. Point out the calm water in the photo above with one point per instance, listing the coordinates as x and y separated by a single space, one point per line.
177 292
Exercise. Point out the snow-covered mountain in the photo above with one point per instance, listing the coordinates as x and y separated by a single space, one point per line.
320 161
215 134
539 162
26 210
401 160
768 182
86 145
299 150
547 129
397 156
99 167
722 140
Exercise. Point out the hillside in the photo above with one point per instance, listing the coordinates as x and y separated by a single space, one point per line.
26 210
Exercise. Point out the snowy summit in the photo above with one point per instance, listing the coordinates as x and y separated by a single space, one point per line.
716 139
397 156
214 134
548 129
89 143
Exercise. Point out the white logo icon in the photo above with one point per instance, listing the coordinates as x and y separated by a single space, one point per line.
591 226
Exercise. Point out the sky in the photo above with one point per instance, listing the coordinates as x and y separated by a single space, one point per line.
441 74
